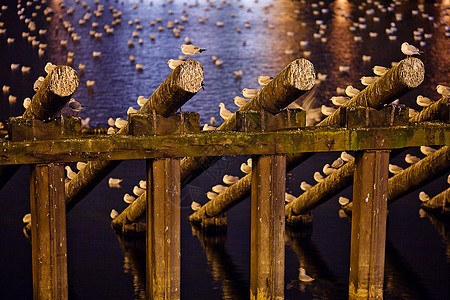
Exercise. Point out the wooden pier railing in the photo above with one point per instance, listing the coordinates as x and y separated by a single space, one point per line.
276 138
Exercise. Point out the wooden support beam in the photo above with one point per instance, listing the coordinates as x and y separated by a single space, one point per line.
368 235
438 111
163 229
49 246
181 85
267 227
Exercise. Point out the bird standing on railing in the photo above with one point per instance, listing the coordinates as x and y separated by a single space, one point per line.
318 177
443 90
351 91
339 100
380 70
240 101
264 80
394 169
411 159
423 101
305 186
427 150
249 93
173 63
224 113
229 179
409 50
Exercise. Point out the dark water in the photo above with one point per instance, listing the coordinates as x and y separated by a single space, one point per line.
103 267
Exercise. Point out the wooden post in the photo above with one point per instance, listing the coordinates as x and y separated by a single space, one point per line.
368 235
267 227
163 229
49 247
439 204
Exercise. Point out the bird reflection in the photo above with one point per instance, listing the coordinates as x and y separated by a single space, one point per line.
325 285
442 226
221 266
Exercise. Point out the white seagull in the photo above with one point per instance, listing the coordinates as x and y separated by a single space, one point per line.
190 50
224 113
409 50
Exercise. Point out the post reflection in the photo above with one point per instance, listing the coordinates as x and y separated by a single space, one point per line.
442 227
325 284
221 265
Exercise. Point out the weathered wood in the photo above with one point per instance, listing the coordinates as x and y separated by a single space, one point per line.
439 203
368 225
55 91
163 229
267 227
305 141
49 246
294 80
51 97
439 110
181 85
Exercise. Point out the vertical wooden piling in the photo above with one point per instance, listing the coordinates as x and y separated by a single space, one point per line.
49 247
368 235
267 227
163 229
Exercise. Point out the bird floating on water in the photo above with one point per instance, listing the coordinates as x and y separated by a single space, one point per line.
409 50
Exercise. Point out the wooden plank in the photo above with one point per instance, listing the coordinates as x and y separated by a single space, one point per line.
267 227
223 143
368 234
49 246
163 229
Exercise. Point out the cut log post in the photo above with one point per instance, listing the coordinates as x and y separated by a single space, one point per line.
267 227
55 91
49 246
368 235
181 85
405 76
439 204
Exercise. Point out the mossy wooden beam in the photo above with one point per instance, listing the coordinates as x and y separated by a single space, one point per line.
181 85
293 81
55 91
439 204
122 147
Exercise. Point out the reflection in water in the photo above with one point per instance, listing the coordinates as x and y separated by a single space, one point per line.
325 284
399 278
442 227
222 267
134 261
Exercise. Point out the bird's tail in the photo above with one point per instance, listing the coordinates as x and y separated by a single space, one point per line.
202 50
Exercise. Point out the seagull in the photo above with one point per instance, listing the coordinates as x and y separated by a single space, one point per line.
207 127
120 123
111 122
49 67
141 100
75 106
114 182
411 159
250 162
339 100
26 102
249 93
143 184
443 90
318 177
132 110
128 198
302 275
368 80
289 198
305 186
111 130
344 69
195 206
114 213
173 63
219 188
70 174
246 168
423 196
26 219
37 84
351 91
228 179
240 101
423 101
326 110
394 169
343 201
427 150
190 50
212 120
137 190
328 170
238 73
409 50
211 195
81 165
264 80
337 163
224 113
380 70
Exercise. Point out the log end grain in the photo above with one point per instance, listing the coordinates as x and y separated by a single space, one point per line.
302 74
191 76
411 71
63 81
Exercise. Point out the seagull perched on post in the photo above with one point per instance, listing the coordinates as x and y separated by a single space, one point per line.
190 50
75 106
409 50
224 113
173 63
